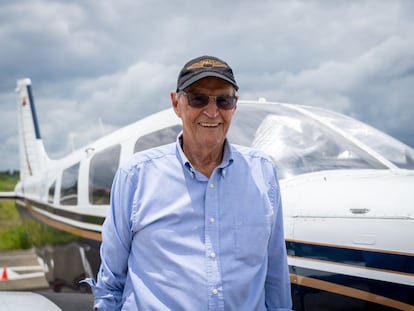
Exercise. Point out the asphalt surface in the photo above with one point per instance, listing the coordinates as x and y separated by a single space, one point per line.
21 270
23 283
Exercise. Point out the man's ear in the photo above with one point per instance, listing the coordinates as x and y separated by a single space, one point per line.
174 103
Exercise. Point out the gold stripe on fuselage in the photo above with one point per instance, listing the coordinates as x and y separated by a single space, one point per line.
349 292
65 227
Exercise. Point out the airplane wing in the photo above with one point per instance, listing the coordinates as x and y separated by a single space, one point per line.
7 195
44 301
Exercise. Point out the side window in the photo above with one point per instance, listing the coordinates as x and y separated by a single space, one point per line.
102 170
69 186
158 138
51 192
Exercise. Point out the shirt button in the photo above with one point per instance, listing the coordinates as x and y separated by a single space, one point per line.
212 255
215 291
212 220
211 185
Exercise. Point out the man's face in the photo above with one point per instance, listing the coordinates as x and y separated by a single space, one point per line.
204 127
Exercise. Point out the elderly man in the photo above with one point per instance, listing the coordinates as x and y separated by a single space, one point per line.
197 224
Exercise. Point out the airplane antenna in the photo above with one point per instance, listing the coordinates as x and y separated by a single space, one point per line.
101 126
72 141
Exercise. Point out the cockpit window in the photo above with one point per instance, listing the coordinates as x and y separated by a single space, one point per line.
297 143
393 150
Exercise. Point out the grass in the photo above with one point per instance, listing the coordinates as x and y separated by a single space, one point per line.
18 233
8 211
13 234
8 180
14 237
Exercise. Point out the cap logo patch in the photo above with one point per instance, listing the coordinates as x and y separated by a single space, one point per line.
207 63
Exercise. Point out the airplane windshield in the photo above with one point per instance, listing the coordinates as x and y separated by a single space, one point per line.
297 143
393 150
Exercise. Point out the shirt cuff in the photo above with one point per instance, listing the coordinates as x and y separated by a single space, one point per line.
104 299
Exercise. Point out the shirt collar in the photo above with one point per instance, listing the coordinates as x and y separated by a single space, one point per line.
225 163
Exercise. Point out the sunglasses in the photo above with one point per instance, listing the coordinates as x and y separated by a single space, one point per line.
225 102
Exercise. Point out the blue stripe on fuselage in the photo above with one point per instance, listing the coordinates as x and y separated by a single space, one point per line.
391 262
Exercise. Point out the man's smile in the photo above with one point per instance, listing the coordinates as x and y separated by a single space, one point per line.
205 124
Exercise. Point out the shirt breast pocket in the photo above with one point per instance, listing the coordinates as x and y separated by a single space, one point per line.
251 239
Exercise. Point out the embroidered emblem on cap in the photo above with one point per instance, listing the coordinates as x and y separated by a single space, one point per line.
203 67
207 63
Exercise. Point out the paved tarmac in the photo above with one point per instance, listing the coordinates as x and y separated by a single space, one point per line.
21 270
23 281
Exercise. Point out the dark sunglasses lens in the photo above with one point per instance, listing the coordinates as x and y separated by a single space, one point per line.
198 100
226 102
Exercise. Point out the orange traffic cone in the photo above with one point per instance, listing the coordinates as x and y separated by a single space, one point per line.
4 276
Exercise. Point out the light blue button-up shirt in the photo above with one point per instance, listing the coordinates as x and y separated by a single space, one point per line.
177 240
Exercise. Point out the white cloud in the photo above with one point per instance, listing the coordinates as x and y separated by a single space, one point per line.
118 61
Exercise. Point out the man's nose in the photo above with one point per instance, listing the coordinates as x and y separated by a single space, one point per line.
211 110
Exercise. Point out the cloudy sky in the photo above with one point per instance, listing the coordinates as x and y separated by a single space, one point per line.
113 62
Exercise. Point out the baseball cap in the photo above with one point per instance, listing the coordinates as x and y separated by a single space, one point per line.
203 67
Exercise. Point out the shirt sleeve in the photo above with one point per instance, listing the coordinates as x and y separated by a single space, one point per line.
277 286
116 243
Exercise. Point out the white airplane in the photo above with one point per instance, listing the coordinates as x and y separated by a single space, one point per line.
347 191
